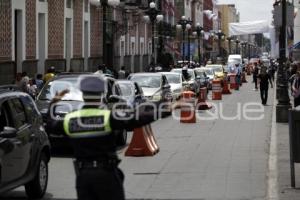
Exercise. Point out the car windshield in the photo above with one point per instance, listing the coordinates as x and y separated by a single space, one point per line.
217 68
147 81
190 72
200 74
49 91
173 78
127 89
235 60
209 72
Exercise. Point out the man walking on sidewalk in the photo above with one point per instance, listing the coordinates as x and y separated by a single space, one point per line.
264 79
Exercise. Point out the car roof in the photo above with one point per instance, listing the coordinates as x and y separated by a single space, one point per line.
145 74
171 73
213 65
189 69
76 75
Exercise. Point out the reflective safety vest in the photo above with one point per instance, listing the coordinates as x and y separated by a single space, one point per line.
87 123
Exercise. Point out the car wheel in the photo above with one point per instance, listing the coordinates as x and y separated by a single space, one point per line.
36 188
122 138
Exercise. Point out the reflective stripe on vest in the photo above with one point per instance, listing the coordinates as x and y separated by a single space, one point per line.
87 123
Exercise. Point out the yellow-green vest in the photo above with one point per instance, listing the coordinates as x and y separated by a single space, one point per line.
75 128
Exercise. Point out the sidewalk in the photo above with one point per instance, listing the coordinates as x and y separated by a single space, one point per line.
283 164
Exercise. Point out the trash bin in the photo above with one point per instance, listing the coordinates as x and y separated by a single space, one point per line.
294 134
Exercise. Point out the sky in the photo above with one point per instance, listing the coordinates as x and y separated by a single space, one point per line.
251 10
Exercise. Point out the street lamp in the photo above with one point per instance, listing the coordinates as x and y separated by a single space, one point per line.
220 36
152 15
229 39
244 45
105 4
199 32
283 104
237 46
184 24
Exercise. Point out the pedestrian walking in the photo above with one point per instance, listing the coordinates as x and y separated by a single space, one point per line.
93 137
296 87
238 75
264 79
255 74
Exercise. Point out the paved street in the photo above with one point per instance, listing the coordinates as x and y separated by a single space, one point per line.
211 160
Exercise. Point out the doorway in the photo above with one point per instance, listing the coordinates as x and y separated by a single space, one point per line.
18 40
41 46
68 43
86 46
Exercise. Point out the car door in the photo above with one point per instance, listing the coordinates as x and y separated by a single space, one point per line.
166 89
10 149
22 141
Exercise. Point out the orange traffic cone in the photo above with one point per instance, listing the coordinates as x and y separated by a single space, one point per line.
225 87
142 143
188 112
233 84
202 104
216 90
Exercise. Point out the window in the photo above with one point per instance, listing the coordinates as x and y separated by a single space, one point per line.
17 109
86 5
132 48
69 3
30 108
5 118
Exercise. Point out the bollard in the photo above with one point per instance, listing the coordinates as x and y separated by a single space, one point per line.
202 104
232 79
225 87
188 111
216 90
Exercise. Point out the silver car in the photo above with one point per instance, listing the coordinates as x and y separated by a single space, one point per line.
191 82
155 86
175 81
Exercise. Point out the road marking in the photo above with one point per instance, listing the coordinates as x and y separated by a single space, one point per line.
272 164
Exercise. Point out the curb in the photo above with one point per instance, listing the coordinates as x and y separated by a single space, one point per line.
272 183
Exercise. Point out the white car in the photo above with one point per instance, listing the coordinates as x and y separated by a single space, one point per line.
192 82
175 81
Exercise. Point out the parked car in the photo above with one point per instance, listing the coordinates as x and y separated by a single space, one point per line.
71 102
131 92
202 77
191 83
218 69
175 81
24 145
155 87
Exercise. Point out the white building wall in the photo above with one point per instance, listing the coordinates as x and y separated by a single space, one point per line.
297 23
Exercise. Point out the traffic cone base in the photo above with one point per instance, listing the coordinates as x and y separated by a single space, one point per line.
225 88
142 143
187 112
202 104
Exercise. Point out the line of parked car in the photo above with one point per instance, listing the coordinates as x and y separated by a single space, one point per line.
26 131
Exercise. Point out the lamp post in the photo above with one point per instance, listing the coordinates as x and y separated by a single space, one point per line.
220 35
283 104
199 32
152 15
184 24
244 45
237 46
229 39
105 4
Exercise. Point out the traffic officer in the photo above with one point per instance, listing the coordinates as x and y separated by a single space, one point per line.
92 133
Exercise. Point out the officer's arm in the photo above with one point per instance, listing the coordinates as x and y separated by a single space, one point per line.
129 120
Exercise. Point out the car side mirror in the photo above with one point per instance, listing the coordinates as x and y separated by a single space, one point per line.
8 132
